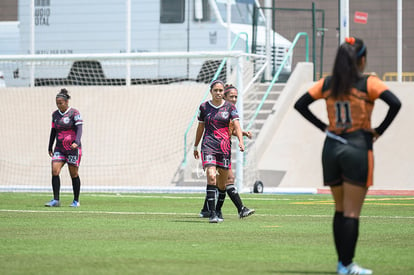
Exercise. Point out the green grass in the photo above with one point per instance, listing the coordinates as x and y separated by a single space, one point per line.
162 234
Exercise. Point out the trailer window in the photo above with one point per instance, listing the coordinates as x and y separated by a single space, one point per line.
205 7
172 11
241 11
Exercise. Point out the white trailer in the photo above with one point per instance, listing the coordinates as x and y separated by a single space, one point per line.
9 45
9 37
114 26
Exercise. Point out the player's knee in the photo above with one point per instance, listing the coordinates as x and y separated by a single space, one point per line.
55 172
74 175
211 177
73 171
230 180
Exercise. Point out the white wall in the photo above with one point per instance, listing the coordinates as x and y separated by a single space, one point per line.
132 136
292 157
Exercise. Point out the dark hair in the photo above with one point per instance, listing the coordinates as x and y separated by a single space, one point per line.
345 70
228 87
215 82
63 94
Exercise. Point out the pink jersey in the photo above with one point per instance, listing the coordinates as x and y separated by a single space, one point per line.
65 125
216 121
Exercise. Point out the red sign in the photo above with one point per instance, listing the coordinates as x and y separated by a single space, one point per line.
361 17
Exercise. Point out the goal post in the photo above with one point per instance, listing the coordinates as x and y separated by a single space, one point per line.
112 69
133 134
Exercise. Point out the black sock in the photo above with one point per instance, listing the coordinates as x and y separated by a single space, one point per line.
350 231
234 196
211 197
205 206
337 228
76 188
56 187
220 200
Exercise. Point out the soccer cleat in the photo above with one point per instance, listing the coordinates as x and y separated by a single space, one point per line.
213 217
352 268
75 204
245 212
204 213
341 269
53 203
220 216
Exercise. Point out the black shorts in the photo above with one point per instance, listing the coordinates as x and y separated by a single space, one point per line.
72 157
351 162
214 159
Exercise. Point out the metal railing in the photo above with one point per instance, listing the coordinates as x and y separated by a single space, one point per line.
393 76
276 76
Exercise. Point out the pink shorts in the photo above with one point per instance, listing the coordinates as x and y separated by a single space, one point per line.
72 157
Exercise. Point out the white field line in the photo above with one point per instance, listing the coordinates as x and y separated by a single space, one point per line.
201 196
264 198
181 214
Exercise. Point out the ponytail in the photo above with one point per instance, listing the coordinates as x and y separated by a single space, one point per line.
345 70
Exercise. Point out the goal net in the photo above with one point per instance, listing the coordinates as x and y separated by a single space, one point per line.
138 112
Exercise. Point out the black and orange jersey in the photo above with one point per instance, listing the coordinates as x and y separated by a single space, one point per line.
351 112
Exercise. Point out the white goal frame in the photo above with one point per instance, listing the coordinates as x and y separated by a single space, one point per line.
32 62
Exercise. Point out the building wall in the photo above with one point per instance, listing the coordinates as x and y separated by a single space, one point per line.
379 34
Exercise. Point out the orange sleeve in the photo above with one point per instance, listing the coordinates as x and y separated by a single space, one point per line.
375 87
316 90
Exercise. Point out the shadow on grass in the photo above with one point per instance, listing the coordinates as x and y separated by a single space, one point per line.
299 272
191 220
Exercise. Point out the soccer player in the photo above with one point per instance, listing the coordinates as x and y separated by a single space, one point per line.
67 130
214 119
347 157
230 95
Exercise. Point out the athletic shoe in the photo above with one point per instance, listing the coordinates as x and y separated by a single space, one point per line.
204 213
213 217
341 269
53 203
220 216
75 204
352 268
245 212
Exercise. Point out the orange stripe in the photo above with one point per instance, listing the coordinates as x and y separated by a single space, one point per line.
370 180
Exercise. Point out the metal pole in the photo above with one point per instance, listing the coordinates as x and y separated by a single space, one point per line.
399 41
239 155
313 41
343 20
268 13
228 15
32 42
322 43
128 41
228 71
